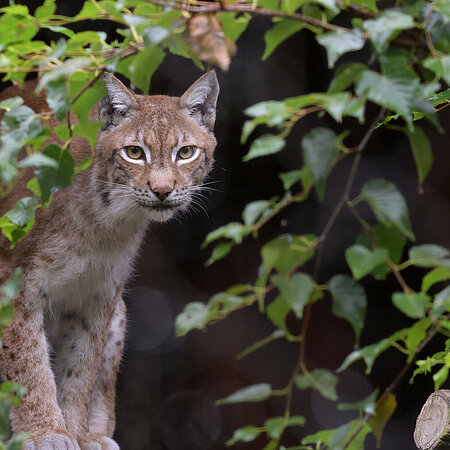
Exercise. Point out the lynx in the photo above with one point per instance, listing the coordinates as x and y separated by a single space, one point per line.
65 342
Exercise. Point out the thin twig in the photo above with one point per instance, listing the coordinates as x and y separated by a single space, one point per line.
426 22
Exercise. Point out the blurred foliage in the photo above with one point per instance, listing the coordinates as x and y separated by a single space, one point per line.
405 75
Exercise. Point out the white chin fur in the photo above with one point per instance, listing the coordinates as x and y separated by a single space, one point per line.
160 216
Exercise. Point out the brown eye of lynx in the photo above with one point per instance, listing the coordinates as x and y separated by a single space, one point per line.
186 152
134 152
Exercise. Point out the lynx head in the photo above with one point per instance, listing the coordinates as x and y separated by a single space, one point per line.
155 151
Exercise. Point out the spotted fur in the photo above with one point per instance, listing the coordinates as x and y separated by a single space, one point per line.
65 342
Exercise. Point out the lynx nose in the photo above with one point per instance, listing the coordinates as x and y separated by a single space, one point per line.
162 191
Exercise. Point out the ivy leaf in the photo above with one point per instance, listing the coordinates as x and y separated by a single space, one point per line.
255 211
277 312
440 66
88 130
283 252
384 412
319 152
396 91
267 144
23 211
295 290
386 25
388 204
244 434
429 255
345 76
441 302
321 379
254 393
371 352
279 33
220 251
413 305
53 179
139 68
233 24
89 98
276 425
340 42
349 301
193 316
366 405
421 148
441 273
363 261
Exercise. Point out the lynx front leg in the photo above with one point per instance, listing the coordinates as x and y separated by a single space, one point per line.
25 359
81 343
101 411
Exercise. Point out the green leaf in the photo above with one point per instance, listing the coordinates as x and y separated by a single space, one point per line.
11 288
53 179
89 98
440 66
255 211
423 156
417 333
440 377
23 211
371 352
321 379
234 24
441 273
37 159
285 251
384 412
349 301
384 237
290 178
139 68
267 144
345 76
340 42
396 90
58 97
388 204
429 255
413 305
277 312
220 251
45 12
254 393
234 231
363 261
321 437
88 130
319 153
339 437
193 316
366 405
279 33
295 290
276 425
245 434
274 112
441 302
386 25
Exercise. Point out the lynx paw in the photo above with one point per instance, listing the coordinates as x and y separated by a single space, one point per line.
45 440
97 442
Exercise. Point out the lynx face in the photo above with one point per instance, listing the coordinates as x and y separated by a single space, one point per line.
155 151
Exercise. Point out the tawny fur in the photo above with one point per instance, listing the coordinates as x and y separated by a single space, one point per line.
65 342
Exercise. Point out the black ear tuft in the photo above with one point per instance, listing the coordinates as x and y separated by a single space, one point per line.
201 98
119 102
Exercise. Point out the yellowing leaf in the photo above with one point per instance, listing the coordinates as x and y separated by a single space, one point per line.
383 413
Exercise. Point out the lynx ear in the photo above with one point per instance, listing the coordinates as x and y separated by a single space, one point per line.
119 102
201 98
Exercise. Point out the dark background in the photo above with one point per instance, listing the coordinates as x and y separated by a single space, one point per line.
167 385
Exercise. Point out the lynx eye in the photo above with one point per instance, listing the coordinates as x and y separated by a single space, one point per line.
186 152
134 151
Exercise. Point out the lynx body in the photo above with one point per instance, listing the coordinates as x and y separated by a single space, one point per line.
65 342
